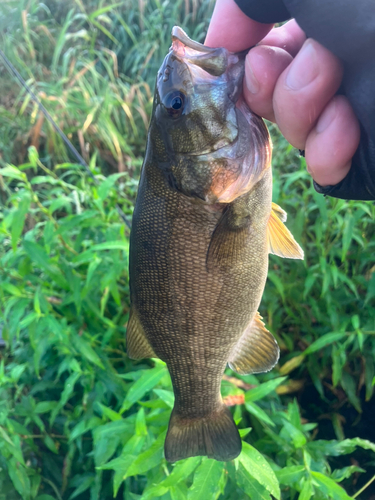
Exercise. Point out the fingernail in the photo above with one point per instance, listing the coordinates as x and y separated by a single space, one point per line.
251 82
304 68
327 117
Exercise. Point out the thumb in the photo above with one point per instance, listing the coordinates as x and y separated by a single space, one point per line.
232 29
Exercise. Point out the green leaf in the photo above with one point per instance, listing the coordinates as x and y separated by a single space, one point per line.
5 436
149 458
120 465
329 487
140 423
290 475
338 362
17 371
19 477
307 490
144 384
258 467
11 289
13 173
206 480
166 396
262 390
339 475
181 471
349 385
255 410
37 254
109 413
19 220
66 394
39 257
297 436
84 426
49 442
87 351
45 406
347 235
178 492
91 270
323 341
85 484
107 437
101 11
106 186
274 278
248 483
109 245
335 448
13 446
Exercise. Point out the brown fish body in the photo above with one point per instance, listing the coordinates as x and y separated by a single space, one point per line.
199 245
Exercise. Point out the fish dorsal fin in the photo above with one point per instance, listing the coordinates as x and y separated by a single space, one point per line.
137 345
256 351
280 239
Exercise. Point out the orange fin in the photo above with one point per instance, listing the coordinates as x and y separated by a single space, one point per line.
215 435
281 214
280 239
256 351
137 345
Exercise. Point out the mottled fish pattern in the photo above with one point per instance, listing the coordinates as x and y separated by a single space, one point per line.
203 227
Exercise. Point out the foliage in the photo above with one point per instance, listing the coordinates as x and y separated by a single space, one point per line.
92 64
78 419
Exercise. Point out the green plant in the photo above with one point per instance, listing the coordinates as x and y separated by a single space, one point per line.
76 412
92 64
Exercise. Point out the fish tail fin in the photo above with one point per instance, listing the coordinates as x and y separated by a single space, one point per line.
215 436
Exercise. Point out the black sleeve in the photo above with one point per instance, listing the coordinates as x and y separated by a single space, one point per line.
264 11
347 29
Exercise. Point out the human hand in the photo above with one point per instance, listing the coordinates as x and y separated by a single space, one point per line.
292 81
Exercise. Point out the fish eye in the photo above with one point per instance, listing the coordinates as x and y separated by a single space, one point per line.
174 103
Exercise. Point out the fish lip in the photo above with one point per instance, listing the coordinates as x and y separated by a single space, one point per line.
180 35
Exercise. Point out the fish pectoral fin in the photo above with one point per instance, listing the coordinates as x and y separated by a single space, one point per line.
137 345
280 239
256 351
279 212
227 242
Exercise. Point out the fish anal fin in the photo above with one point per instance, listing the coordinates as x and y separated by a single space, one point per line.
256 351
227 242
214 435
280 239
137 345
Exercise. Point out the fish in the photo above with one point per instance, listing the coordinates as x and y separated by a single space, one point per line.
203 226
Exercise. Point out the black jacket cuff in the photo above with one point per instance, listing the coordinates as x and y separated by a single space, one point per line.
264 11
359 184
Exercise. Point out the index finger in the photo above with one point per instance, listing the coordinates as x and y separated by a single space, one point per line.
232 29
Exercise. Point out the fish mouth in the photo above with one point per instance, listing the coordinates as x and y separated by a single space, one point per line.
213 60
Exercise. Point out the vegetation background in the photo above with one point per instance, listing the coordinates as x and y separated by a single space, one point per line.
78 419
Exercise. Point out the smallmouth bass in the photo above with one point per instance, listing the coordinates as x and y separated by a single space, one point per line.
203 226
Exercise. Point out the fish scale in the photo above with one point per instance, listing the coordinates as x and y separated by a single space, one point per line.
203 226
